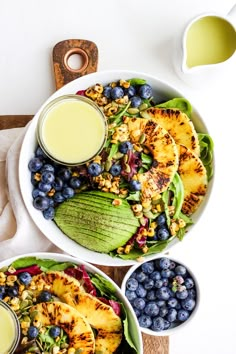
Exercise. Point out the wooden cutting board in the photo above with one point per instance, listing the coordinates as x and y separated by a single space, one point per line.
63 75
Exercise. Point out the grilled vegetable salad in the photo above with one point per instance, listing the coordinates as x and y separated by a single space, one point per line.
140 192
64 309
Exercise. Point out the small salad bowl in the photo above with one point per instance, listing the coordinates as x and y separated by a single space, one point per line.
49 288
164 294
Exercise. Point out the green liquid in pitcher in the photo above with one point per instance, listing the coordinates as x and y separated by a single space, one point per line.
210 40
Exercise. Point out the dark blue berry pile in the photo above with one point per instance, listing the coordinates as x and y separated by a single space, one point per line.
162 294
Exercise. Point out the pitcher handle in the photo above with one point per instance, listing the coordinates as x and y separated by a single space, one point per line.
232 15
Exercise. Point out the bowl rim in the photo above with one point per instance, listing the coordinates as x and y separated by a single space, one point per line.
90 267
61 240
181 326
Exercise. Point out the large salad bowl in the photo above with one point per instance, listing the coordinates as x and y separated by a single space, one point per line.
162 92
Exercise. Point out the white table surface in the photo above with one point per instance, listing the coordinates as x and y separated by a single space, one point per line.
137 35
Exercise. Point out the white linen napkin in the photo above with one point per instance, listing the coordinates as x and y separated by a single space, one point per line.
18 233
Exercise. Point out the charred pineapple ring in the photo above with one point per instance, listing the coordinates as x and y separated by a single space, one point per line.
100 316
70 320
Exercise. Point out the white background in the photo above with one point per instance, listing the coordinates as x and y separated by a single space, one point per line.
137 35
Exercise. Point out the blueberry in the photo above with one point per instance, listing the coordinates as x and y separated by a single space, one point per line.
151 295
148 267
160 303
45 296
156 275
137 312
148 284
145 321
140 291
54 331
125 146
131 295
115 170
183 315
48 167
180 270
163 293
12 291
49 213
38 193
141 276
2 291
163 310
57 184
117 92
135 185
40 153
35 164
68 192
158 284
44 187
166 273
166 324
47 177
172 302
181 294
162 233
107 91
161 219
158 324
135 101
41 203
58 197
139 303
172 265
64 173
172 315
130 91
75 182
25 278
94 169
145 91
188 304
165 282
189 283
151 309
132 284
164 263
192 293
33 332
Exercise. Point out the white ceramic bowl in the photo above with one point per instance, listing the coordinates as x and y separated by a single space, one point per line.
174 326
134 330
162 91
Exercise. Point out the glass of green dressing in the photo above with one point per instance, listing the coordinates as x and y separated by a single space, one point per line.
9 329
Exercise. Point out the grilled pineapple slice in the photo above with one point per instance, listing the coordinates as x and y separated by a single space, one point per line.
101 317
70 320
194 177
57 283
165 155
178 125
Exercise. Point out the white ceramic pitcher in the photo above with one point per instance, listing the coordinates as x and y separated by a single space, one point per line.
206 48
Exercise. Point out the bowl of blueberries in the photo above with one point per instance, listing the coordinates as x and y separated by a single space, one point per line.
164 294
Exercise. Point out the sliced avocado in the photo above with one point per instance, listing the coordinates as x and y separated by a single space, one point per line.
90 219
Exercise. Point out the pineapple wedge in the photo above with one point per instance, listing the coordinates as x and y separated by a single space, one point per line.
178 125
165 155
194 177
70 320
57 283
101 317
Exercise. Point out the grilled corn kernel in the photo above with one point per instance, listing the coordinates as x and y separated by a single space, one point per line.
120 250
145 249
181 223
137 208
146 204
71 350
11 269
127 249
151 232
117 202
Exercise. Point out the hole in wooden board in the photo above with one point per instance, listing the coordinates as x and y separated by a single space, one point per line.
76 60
